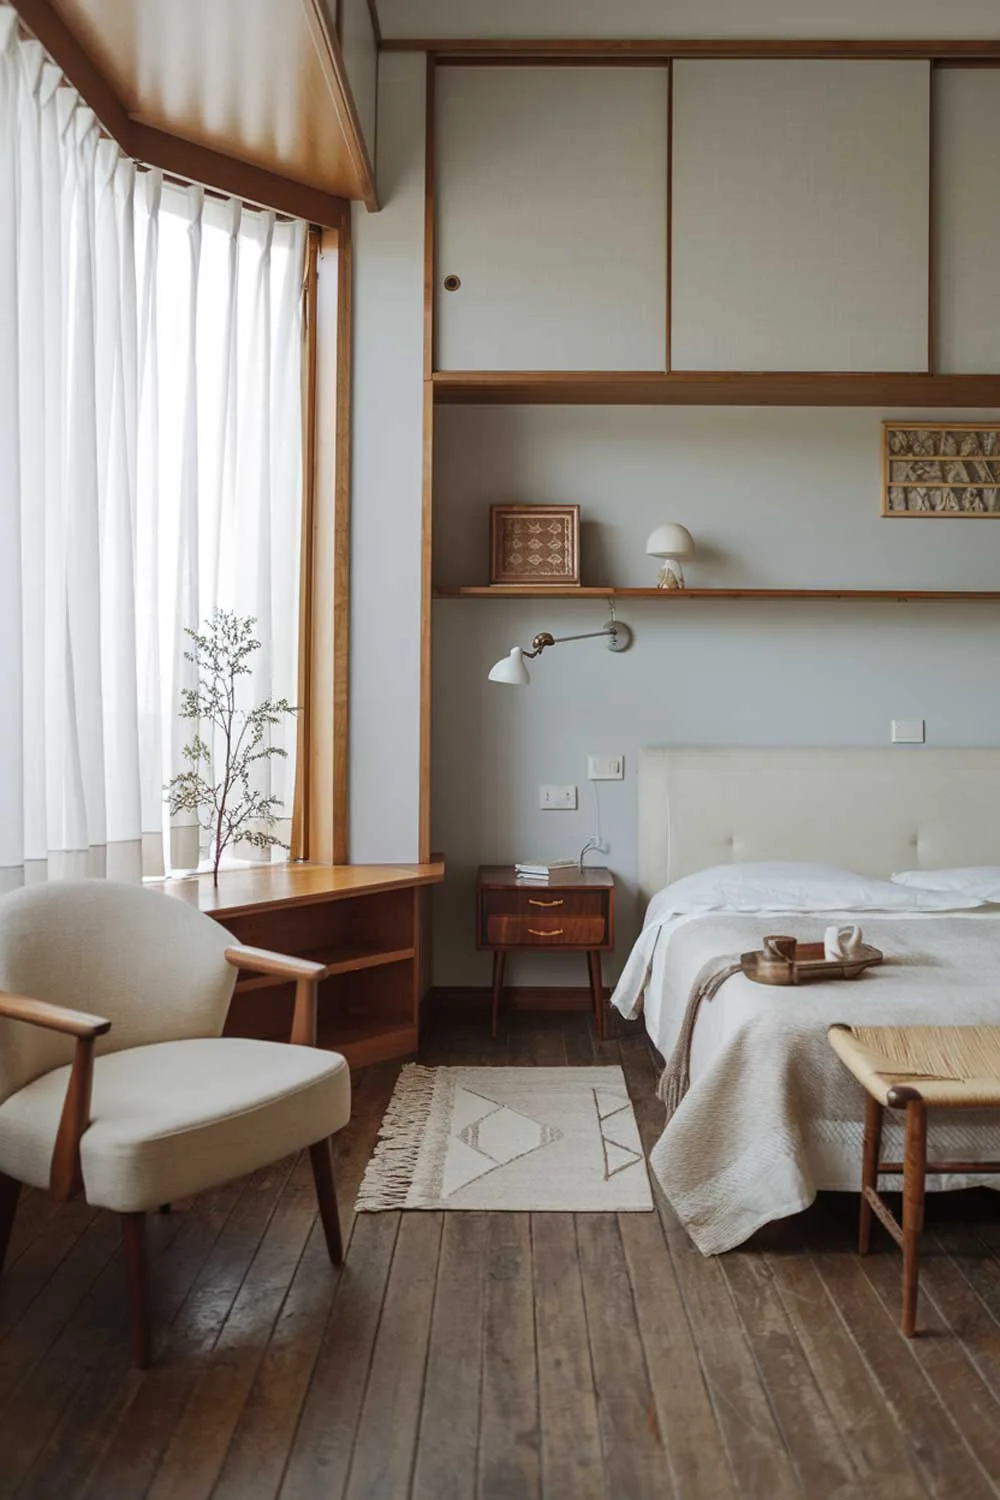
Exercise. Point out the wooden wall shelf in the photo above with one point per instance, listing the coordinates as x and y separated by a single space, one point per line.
710 388
899 596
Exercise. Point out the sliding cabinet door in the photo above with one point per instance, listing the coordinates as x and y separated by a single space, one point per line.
967 219
800 215
551 199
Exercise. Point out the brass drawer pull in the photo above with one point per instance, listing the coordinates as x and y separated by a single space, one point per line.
537 932
533 902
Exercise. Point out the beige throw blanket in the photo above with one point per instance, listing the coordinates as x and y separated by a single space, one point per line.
771 1114
675 1080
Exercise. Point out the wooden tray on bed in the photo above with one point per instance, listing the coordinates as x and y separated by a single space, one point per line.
805 963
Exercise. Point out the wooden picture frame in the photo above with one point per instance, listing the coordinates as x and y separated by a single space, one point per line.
944 470
535 544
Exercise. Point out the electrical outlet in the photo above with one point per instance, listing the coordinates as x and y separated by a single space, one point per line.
605 767
553 798
908 732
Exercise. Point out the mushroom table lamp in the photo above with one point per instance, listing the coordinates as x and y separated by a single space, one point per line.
671 542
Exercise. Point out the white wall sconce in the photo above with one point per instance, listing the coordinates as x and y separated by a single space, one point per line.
511 669
671 542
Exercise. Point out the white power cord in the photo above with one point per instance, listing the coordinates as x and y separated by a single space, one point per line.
595 843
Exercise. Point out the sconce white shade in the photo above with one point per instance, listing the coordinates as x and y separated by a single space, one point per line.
511 669
671 540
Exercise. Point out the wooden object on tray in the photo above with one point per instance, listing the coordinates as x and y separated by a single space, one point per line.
571 912
784 960
915 1069
535 544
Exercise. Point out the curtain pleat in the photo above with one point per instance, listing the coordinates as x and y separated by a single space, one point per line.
150 471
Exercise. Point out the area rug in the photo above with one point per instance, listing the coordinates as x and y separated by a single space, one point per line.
518 1139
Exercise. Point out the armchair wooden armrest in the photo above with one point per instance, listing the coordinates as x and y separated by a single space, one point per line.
303 971
66 1176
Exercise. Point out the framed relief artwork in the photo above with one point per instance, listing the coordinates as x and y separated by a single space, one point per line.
535 544
943 469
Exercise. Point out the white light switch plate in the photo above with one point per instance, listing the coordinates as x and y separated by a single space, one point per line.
908 732
552 798
605 767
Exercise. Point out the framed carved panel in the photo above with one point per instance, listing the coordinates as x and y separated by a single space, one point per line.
943 469
535 544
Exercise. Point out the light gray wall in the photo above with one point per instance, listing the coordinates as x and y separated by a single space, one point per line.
681 18
386 493
774 496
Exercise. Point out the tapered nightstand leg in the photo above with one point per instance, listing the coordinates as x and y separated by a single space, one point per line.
597 992
499 961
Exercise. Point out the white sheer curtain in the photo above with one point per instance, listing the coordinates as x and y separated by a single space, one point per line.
150 470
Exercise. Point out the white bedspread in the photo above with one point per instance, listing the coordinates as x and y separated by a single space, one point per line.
772 1116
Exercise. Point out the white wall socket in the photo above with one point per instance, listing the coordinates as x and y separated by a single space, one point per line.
908 732
605 767
552 798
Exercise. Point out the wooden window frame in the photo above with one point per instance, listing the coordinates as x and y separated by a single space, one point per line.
320 828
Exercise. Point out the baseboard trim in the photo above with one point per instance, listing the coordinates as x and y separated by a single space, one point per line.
441 998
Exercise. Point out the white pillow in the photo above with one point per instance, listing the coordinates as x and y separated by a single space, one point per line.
981 881
790 886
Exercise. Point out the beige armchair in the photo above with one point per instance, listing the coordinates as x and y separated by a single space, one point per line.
115 1078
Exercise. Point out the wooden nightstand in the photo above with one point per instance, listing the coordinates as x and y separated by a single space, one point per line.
574 912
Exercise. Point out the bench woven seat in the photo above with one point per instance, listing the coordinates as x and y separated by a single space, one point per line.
916 1069
953 1067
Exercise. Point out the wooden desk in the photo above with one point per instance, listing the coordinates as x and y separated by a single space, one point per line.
574 912
362 921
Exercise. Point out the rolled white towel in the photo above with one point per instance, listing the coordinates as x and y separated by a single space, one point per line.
843 942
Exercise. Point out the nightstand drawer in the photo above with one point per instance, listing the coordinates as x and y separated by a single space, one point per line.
550 930
545 901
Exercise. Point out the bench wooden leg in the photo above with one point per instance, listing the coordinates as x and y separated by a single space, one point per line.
869 1170
914 1173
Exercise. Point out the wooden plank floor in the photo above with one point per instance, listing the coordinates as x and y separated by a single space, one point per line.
490 1356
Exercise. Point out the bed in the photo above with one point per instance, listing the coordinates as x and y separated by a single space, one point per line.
771 1117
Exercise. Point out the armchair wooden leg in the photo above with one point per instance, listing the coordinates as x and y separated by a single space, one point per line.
137 1281
914 1172
10 1190
869 1170
321 1156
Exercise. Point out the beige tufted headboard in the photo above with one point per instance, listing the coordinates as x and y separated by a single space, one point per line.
875 811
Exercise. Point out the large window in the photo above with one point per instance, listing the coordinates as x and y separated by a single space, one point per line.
151 470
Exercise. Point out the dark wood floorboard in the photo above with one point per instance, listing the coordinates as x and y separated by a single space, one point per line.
491 1356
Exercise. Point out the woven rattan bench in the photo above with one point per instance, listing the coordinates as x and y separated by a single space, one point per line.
915 1068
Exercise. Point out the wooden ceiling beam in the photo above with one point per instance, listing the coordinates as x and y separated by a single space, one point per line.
237 179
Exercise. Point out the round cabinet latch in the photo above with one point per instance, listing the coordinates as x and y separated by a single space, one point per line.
452 283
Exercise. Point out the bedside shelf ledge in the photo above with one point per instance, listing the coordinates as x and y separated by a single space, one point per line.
591 591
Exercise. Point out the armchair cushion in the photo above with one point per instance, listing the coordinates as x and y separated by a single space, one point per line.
174 1118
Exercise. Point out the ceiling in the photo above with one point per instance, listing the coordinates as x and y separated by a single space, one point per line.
261 82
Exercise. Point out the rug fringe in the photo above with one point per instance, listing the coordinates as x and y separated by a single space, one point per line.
391 1170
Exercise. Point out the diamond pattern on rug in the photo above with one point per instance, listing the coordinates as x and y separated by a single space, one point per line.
614 1111
486 1135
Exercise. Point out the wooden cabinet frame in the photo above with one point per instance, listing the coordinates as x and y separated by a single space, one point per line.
696 387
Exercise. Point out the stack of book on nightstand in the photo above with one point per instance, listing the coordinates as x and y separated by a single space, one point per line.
542 870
